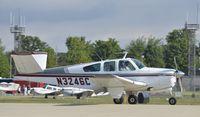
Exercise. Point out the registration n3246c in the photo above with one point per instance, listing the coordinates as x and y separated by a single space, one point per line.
73 81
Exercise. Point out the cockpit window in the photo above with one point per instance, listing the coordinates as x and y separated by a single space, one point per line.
125 65
92 68
49 88
138 63
109 66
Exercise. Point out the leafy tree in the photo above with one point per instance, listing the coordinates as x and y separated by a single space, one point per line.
177 46
136 48
148 50
51 59
198 56
79 50
153 53
106 49
31 44
61 59
5 68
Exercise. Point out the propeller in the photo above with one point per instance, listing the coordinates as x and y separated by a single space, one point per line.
178 75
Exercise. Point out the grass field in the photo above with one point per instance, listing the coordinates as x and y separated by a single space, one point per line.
187 99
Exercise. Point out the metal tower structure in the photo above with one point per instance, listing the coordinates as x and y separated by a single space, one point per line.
17 29
191 31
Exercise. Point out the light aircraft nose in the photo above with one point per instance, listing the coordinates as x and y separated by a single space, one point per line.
179 73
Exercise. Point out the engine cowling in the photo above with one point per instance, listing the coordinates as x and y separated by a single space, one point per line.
143 97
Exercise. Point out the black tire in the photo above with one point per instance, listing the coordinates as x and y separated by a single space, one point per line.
172 101
132 99
140 98
118 101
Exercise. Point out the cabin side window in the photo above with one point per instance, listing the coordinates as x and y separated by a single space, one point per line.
49 88
109 66
125 65
92 68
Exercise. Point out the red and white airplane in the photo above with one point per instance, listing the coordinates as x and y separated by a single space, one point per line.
119 77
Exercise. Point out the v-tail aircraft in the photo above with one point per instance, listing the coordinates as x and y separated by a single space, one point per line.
119 77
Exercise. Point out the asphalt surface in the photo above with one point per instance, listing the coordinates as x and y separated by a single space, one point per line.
104 110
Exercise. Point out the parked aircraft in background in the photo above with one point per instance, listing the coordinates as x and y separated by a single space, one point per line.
119 77
66 91
47 90
9 87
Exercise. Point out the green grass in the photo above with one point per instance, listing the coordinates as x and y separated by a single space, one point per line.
185 100
65 100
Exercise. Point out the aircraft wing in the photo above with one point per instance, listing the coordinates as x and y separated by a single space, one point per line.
43 91
133 84
117 81
116 85
77 91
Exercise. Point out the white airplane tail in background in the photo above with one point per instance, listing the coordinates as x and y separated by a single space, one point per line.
30 62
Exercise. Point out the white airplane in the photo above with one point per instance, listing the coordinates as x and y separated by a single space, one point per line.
47 90
8 87
119 77
66 91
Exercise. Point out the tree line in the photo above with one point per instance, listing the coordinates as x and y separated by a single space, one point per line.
152 51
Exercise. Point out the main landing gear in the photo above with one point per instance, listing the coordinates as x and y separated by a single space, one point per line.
141 98
118 101
132 99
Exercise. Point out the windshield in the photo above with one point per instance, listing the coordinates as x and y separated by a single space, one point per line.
138 63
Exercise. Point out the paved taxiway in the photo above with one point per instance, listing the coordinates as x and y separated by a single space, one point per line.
104 110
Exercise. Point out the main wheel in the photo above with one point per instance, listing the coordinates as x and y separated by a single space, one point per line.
132 99
118 101
172 101
140 98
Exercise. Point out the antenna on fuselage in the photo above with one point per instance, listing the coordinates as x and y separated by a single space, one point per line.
125 54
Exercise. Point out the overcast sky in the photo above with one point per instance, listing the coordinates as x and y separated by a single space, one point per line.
54 20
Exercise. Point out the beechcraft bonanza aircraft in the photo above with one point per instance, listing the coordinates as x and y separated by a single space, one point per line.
119 77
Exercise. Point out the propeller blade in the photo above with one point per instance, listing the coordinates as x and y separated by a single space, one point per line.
180 84
179 74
